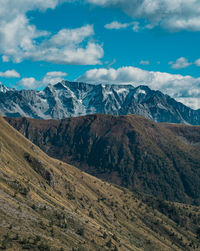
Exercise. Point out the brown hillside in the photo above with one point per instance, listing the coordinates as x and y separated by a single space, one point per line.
191 134
46 204
129 151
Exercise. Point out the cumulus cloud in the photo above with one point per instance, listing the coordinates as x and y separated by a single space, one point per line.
64 48
197 62
71 37
28 83
52 77
144 62
183 88
136 26
56 74
89 55
5 58
10 74
180 63
115 25
172 15
19 39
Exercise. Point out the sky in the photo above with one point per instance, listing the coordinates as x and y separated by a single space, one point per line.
148 42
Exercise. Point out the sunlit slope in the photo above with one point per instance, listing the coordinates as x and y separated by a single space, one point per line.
46 204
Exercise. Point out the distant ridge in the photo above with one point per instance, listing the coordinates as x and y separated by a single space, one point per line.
71 99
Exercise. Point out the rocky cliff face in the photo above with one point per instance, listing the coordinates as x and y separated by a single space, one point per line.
130 151
71 99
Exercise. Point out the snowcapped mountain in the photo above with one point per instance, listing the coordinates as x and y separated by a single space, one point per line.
3 88
71 99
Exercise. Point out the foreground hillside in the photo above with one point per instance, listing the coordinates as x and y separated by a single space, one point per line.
46 204
129 151
71 99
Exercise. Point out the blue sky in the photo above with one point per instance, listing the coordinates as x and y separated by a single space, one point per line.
152 42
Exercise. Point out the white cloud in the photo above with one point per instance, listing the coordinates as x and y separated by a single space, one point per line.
144 62
68 54
27 5
19 39
180 63
172 15
52 77
185 89
136 26
117 25
56 74
5 58
197 62
28 83
71 36
109 64
10 74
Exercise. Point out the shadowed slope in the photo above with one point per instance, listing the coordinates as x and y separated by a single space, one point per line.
130 151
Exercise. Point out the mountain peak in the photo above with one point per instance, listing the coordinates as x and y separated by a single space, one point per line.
143 87
60 85
71 99
3 88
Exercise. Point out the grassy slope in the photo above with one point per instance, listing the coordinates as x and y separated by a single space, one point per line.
46 204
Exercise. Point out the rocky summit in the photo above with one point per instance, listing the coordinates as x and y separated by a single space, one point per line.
71 99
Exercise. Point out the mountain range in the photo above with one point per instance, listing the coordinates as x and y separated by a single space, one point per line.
131 151
71 99
46 204
146 169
